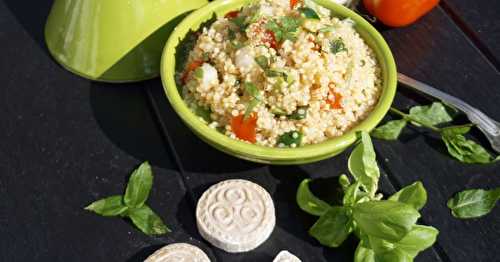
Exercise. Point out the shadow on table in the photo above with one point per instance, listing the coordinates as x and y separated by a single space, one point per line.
124 116
295 221
32 16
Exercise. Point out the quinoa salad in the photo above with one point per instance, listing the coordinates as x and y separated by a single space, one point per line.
282 73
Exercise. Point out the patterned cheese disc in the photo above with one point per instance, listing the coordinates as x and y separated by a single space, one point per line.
235 215
180 252
285 256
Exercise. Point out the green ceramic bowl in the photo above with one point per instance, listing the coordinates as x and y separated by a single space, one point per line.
261 154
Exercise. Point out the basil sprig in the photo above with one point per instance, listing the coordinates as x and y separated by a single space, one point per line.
473 203
430 117
387 229
133 203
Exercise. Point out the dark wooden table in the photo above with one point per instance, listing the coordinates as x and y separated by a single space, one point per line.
66 141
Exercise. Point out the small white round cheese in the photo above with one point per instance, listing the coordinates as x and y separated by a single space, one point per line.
235 215
180 252
285 256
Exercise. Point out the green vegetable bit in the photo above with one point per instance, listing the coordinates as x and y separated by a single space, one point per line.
133 203
299 114
309 13
198 73
473 203
254 92
290 139
286 29
337 46
263 62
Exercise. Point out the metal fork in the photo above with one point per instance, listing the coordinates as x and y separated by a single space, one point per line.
488 126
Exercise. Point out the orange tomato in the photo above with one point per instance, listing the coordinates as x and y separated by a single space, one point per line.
245 128
398 13
335 102
293 3
190 68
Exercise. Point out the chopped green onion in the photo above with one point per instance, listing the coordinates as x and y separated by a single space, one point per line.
337 46
290 139
300 113
309 13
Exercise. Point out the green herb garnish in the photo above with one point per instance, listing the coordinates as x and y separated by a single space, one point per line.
255 95
473 203
337 46
430 117
286 29
309 13
132 204
198 73
387 229
263 62
299 114
290 139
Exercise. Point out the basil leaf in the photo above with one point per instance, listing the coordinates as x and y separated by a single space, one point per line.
432 115
473 203
147 221
413 195
309 13
344 182
337 46
139 185
395 255
108 207
308 202
390 131
417 240
462 149
387 220
333 227
364 254
363 164
353 195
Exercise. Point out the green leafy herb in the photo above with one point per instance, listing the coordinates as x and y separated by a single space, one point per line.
463 149
387 220
240 22
432 115
333 227
327 29
231 34
387 229
309 13
308 202
473 203
275 73
286 29
254 92
198 73
132 204
290 139
337 46
250 106
363 165
390 131
413 195
459 147
108 207
203 113
300 113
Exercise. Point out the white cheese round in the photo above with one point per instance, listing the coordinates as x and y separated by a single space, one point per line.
180 252
235 215
285 256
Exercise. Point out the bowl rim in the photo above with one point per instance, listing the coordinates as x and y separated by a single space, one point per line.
241 148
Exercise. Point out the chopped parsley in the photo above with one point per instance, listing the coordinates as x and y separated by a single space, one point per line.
286 29
309 13
337 46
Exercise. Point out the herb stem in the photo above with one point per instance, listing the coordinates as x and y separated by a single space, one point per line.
411 119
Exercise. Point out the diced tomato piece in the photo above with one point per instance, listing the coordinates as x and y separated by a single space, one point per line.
232 14
270 39
245 128
293 3
190 68
334 99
